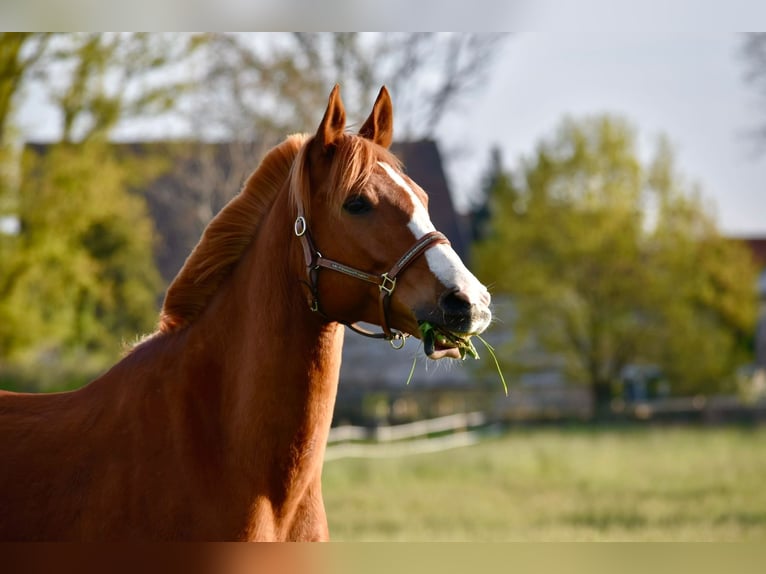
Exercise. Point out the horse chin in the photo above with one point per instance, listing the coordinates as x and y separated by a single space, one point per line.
445 353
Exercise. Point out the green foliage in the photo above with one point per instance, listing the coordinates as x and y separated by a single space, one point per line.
79 278
610 262
19 54
81 273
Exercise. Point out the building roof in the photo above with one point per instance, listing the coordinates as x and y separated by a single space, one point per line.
757 247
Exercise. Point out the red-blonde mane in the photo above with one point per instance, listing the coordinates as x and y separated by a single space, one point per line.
226 238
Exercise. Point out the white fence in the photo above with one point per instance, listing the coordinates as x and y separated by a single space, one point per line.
457 422
395 441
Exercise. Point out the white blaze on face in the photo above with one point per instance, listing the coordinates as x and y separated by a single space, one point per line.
442 259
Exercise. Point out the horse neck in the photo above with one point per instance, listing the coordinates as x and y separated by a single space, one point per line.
277 362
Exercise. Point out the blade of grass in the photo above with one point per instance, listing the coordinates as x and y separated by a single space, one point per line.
464 344
494 358
412 370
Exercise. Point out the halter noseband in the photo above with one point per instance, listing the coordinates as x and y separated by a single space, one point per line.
386 282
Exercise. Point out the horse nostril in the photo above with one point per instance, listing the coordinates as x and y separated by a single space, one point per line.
455 302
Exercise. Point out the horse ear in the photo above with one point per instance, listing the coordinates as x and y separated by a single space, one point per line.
379 127
334 120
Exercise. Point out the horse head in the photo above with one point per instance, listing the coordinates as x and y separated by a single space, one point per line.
371 252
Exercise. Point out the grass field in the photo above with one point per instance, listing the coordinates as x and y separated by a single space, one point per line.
643 484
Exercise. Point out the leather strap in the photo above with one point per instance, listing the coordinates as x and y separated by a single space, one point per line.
386 282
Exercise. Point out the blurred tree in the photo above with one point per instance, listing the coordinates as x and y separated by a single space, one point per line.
272 84
496 181
19 55
79 274
83 272
612 263
116 78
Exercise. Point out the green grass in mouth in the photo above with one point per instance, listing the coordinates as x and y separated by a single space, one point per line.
432 335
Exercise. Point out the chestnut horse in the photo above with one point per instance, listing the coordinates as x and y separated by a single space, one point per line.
214 427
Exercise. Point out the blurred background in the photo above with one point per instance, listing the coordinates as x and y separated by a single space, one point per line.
607 187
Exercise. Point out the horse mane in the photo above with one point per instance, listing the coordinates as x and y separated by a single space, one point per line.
232 230
226 237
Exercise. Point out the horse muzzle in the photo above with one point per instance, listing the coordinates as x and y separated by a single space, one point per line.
458 314
461 313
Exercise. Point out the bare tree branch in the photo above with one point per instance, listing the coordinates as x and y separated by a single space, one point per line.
753 53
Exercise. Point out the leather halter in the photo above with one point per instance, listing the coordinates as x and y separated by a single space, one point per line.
386 282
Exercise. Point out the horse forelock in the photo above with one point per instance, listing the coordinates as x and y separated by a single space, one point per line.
226 237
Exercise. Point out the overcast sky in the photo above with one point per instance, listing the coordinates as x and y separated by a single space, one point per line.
688 86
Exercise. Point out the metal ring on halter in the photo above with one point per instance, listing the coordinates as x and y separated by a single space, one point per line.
300 226
398 337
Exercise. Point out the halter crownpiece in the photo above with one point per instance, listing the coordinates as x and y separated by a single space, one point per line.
386 282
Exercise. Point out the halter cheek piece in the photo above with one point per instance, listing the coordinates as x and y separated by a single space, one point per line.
386 282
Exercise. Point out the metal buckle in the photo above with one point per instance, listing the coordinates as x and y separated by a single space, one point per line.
398 340
384 286
300 226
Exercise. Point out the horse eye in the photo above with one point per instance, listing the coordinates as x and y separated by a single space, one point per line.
357 205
